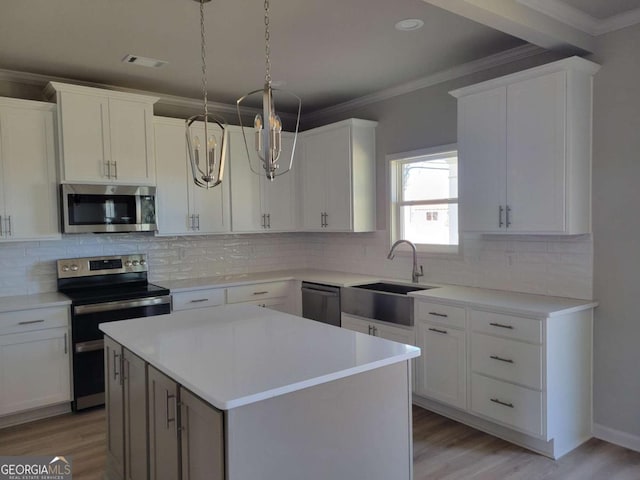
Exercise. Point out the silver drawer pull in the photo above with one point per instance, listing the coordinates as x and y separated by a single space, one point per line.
500 402
90 346
436 314
506 360
437 330
30 322
260 293
199 300
501 325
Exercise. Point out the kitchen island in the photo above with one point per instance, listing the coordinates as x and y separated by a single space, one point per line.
238 392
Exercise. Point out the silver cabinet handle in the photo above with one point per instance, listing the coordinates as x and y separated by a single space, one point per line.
0 225
198 221
66 347
115 365
501 325
370 327
375 331
268 220
500 402
500 359
168 396
199 300
115 169
108 165
437 330
508 213
326 219
90 346
436 314
261 293
9 228
500 211
30 322
264 220
322 219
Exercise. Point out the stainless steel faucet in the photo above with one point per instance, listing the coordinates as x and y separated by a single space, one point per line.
416 273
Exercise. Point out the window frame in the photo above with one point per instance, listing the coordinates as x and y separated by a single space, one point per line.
395 162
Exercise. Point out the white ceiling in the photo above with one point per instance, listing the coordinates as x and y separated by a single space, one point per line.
602 9
328 51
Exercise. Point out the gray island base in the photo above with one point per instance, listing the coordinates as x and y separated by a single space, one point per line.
240 392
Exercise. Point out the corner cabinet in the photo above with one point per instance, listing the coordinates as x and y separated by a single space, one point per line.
257 203
524 147
184 208
28 183
338 177
104 136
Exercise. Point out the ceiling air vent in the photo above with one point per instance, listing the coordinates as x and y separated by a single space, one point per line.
143 61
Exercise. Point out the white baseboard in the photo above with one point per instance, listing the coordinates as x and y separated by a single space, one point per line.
618 437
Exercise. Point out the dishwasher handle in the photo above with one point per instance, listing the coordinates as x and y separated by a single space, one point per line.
322 293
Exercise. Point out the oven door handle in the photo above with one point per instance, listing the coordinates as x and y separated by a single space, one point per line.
90 346
121 305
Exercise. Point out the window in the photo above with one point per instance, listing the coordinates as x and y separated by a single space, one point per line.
424 198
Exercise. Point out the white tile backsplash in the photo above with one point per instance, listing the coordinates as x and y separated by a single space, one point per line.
544 265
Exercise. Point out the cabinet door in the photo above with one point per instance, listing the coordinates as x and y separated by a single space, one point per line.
34 369
536 154
482 128
246 199
163 431
336 155
114 400
84 123
27 174
355 324
131 135
278 196
202 439
211 206
441 370
313 182
173 178
135 416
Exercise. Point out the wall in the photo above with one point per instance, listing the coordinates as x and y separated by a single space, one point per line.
29 267
616 230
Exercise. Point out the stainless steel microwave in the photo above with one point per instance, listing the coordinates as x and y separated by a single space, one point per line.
107 208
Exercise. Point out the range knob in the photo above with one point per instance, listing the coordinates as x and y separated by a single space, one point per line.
74 268
143 262
65 268
128 263
136 263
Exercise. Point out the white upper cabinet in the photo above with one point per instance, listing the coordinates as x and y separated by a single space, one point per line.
338 177
257 203
105 136
524 145
28 185
184 208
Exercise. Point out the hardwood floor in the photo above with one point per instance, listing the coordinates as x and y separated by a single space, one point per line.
443 450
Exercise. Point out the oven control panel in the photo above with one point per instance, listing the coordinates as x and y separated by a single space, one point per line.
90 266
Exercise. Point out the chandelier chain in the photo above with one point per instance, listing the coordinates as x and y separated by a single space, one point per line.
203 54
267 46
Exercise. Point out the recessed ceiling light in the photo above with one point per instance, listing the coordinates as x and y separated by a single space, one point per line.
143 61
409 24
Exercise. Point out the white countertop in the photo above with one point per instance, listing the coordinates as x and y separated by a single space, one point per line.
234 355
28 302
507 302
326 277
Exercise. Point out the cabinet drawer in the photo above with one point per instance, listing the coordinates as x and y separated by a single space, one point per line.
444 314
198 299
518 328
258 291
507 359
510 404
35 319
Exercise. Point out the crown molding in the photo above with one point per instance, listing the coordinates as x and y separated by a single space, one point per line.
495 60
41 81
574 17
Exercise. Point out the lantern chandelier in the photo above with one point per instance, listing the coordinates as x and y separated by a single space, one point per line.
268 126
206 156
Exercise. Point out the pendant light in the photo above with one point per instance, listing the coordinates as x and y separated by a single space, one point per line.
206 156
267 128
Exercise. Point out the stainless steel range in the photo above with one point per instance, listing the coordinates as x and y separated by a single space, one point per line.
103 289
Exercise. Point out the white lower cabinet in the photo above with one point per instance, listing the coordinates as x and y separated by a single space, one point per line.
524 378
209 297
163 426
34 359
278 295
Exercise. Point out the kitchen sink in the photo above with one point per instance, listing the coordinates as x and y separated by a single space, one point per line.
384 301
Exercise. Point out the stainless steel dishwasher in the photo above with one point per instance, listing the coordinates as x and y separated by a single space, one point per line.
321 303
